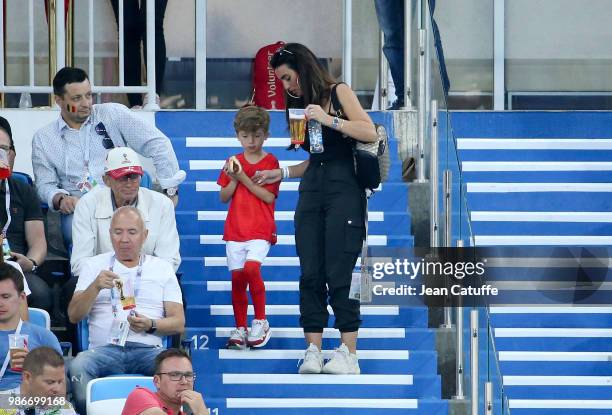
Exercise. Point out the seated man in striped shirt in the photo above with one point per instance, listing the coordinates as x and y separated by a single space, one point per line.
68 154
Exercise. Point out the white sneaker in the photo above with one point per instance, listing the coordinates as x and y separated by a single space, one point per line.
342 362
313 361
259 333
238 339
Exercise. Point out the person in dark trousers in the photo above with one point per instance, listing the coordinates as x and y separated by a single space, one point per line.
135 25
329 218
390 14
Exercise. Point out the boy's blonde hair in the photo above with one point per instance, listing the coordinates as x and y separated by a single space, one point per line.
251 119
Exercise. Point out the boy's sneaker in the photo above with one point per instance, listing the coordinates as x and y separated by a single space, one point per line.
238 339
342 362
259 333
313 361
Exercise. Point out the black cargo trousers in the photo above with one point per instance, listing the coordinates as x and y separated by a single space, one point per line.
329 232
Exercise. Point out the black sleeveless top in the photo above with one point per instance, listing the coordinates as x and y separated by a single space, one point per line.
336 146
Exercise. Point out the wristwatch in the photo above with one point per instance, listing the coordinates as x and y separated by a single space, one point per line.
153 328
171 191
34 265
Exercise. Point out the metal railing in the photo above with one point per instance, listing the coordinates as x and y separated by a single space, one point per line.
437 169
61 35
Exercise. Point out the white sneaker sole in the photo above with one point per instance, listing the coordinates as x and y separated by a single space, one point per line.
327 371
234 346
263 343
308 371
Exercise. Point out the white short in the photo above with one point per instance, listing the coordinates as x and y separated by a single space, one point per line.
240 252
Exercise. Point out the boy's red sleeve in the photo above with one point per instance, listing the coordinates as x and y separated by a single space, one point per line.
223 179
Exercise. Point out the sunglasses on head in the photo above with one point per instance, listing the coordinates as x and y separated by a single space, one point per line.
107 143
281 51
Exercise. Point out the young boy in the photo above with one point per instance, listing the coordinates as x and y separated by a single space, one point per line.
249 228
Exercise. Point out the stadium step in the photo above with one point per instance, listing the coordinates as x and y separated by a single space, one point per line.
286 361
305 406
397 338
288 315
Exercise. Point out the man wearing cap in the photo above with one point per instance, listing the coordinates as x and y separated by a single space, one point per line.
25 233
68 154
92 217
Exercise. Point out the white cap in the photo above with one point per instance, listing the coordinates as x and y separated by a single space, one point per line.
121 161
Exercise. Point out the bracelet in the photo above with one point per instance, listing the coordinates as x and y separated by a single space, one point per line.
285 173
335 123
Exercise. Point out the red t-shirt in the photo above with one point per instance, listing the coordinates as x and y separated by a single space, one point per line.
142 399
248 216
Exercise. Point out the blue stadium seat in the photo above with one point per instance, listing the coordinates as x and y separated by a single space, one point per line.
107 395
146 180
24 177
39 317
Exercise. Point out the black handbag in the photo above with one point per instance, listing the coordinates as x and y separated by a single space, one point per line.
372 160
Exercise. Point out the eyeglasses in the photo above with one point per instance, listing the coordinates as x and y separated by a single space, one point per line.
177 376
132 177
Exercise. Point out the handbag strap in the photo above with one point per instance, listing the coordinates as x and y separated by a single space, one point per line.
333 96
366 288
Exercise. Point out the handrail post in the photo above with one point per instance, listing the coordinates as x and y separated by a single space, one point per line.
407 55
446 236
488 401
347 41
90 43
151 103
200 39
474 360
70 34
60 29
25 100
420 162
121 25
459 368
448 207
383 75
51 7
433 177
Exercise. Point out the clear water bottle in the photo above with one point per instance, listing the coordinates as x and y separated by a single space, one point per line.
315 134
25 100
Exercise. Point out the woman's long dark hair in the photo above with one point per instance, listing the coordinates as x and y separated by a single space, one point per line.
315 80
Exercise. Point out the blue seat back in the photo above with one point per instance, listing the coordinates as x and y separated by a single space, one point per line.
24 177
39 317
146 180
107 396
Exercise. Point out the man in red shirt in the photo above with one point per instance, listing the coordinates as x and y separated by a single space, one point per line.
249 228
174 378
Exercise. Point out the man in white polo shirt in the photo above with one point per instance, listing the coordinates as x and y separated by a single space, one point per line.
131 299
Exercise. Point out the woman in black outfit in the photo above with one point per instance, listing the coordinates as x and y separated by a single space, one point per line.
329 218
